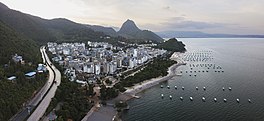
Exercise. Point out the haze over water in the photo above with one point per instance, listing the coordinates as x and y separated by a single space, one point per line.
242 61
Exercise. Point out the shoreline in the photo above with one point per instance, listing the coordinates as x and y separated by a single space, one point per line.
152 82
131 92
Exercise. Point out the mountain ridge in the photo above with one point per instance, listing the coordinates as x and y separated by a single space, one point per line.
45 30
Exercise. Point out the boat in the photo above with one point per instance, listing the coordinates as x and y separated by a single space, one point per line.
225 100
237 100
182 87
175 87
162 95
168 87
196 88
203 98
230 88
181 98
170 97
215 99
191 98
249 100
204 88
223 88
161 86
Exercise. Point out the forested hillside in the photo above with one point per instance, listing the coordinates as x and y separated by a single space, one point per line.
14 93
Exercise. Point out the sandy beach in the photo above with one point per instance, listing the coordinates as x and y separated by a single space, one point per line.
132 91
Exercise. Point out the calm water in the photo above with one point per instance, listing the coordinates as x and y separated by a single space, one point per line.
243 63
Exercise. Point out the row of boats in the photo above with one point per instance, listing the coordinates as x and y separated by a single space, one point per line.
209 65
204 99
201 71
198 57
204 88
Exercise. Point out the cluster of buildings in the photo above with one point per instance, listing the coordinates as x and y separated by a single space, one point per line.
19 59
99 58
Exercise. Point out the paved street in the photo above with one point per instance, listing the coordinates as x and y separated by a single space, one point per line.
23 114
40 110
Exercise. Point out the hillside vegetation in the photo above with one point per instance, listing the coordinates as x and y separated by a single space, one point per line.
13 94
173 45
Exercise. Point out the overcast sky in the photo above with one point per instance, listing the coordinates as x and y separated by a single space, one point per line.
211 16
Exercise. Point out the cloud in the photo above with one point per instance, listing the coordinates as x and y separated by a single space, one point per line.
181 22
166 8
157 15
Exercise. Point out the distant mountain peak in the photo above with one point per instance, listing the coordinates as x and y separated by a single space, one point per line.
129 26
3 6
130 30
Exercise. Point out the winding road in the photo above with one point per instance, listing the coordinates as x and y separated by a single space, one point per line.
35 101
53 83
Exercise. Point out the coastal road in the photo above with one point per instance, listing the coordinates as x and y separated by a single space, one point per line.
24 113
43 105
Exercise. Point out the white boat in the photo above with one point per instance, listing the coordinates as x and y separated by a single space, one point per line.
223 88
215 99
182 87
175 87
230 88
225 100
203 98
181 98
170 97
249 100
196 88
191 98
168 87
161 95
237 100
161 86
204 88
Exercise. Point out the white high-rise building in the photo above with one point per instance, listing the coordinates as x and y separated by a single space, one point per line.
97 69
90 68
131 63
135 53
66 51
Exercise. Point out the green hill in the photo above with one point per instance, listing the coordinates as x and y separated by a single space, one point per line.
11 43
14 94
173 45
44 30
